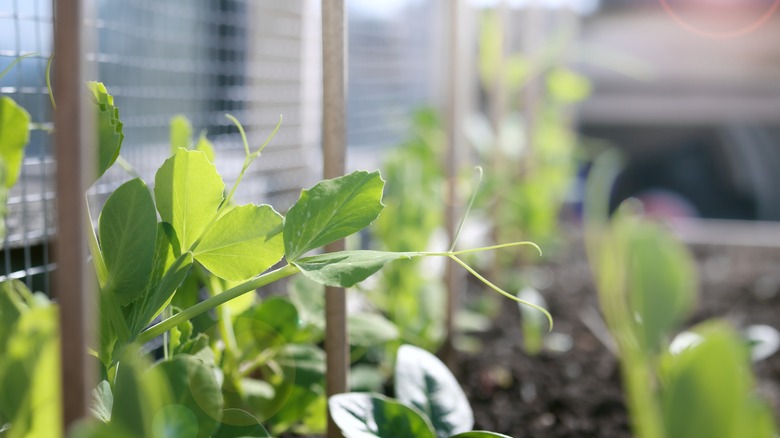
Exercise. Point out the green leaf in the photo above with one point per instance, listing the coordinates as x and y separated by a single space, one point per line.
308 297
708 389
331 210
480 434
347 268
128 232
30 374
423 381
237 423
102 401
140 393
360 415
279 314
662 280
181 133
109 127
160 293
243 243
195 388
188 191
14 299
205 146
14 136
370 329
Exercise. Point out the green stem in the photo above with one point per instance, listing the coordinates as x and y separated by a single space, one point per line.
212 302
501 291
481 249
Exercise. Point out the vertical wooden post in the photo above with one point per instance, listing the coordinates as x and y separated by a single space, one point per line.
333 153
74 142
453 127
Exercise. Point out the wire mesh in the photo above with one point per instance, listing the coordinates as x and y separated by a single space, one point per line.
200 58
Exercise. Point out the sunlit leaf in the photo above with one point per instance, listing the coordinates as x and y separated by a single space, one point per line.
109 127
14 136
180 133
346 268
361 415
423 381
243 243
188 190
331 210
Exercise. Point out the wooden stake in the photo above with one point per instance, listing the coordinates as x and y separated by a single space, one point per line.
333 153
453 126
74 144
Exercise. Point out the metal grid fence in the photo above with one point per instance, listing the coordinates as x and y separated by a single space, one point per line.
255 59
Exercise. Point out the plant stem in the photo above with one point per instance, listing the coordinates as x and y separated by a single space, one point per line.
501 291
212 302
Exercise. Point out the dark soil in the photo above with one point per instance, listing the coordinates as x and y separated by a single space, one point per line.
577 392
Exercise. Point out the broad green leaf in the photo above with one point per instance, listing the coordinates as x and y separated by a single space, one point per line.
188 191
370 329
237 423
128 232
423 381
181 133
243 243
14 136
366 378
102 401
280 314
360 415
346 268
480 434
707 388
109 127
195 388
331 210
662 280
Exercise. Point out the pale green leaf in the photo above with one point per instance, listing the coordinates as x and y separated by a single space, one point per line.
188 191
110 135
102 401
370 329
243 243
423 381
128 232
14 136
347 268
181 133
331 210
360 415
205 146
708 389
662 280
140 392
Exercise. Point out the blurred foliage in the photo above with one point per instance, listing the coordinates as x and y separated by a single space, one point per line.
647 285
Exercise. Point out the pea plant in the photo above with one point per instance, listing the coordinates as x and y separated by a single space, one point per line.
155 248
429 403
647 285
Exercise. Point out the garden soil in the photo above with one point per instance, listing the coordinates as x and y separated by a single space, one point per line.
574 388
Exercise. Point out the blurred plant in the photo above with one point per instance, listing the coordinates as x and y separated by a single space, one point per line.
528 149
429 403
647 287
